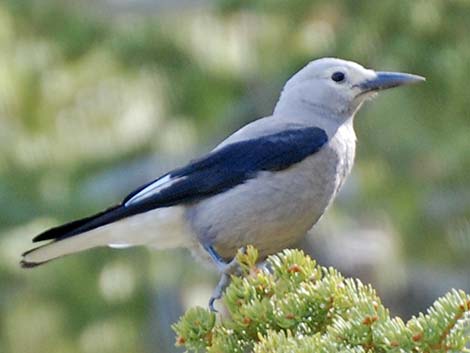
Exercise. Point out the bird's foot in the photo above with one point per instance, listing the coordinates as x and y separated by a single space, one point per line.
227 269
224 281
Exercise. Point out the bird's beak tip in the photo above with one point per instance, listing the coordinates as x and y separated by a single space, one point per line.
418 78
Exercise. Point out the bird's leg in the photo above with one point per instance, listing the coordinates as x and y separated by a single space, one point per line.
230 268
226 269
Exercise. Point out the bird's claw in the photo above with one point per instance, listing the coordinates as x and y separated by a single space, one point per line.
224 281
227 270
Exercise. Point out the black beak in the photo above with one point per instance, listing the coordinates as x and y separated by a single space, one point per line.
385 80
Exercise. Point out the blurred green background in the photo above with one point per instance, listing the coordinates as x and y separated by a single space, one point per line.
97 97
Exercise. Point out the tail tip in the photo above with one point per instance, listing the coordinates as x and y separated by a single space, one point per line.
24 263
28 264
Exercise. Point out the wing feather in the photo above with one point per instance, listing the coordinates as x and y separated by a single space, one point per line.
217 172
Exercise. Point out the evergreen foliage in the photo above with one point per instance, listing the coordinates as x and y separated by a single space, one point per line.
295 305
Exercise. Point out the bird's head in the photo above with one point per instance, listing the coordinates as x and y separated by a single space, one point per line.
337 86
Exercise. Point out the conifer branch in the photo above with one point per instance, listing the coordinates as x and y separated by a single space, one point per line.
299 306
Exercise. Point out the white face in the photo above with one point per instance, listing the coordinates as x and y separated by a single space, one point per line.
339 86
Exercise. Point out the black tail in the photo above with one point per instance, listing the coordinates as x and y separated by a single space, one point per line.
110 215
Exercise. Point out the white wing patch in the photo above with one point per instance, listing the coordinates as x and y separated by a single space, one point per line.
153 189
120 245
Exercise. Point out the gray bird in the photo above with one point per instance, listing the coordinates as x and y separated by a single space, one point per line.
266 185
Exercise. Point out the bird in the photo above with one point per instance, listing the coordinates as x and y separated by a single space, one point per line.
265 185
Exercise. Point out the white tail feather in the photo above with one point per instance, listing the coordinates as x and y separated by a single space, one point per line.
161 228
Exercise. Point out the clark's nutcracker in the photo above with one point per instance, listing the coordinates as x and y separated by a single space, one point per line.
266 185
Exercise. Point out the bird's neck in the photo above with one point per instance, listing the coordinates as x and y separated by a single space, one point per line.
293 103
312 114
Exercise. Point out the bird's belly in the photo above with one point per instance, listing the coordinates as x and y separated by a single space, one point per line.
272 211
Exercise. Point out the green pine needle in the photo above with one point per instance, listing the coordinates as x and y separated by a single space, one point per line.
298 306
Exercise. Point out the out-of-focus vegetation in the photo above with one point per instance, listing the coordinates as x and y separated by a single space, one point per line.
97 97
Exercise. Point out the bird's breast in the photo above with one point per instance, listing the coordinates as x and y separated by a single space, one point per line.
343 144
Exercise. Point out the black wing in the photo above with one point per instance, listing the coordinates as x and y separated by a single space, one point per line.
217 172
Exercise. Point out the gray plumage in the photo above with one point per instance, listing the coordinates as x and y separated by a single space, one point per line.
266 185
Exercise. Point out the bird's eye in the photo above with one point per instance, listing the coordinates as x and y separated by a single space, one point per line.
338 76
